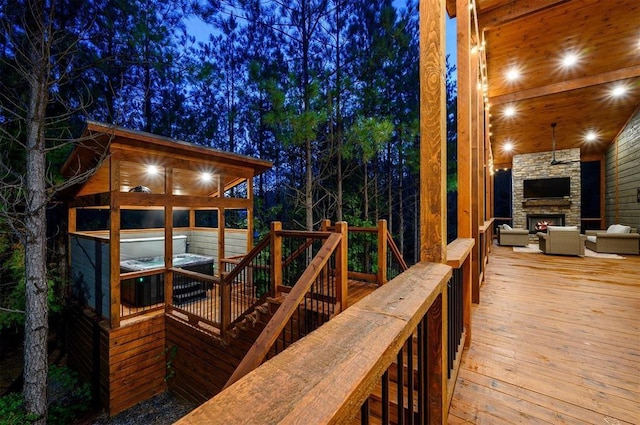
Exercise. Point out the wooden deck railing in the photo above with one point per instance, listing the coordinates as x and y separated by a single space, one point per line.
459 306
331 376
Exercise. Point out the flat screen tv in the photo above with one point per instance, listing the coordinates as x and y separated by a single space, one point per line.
557 187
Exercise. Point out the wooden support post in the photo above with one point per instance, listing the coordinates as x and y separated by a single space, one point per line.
342 263
475 173
466 78
603 194
325 224
221 234
250 215
114 242
433 133
382 252
276 256
168 236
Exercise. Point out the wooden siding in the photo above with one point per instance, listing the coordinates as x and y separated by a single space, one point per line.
623 176
137 362
201 364
205 242
123 366
555 340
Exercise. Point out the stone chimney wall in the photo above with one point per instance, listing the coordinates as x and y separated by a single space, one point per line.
538 166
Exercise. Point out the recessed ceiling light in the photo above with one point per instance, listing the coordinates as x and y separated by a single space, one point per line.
152 170
507 147
569 60
206 177
619 91
509 111
513 74
590 136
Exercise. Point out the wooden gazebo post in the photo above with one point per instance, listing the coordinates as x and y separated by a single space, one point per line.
114 241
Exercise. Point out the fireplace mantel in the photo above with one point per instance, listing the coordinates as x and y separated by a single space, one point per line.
547 203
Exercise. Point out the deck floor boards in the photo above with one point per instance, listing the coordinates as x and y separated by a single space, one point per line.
556 340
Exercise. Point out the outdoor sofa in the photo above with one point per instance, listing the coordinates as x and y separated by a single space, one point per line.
617 239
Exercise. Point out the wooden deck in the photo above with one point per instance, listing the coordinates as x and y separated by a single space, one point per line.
555 340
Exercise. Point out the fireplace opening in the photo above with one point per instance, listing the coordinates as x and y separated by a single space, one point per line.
539 222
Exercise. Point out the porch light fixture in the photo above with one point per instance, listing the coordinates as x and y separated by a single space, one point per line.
152 170
591 136
509 111
513 74
206 177
569 60
619 91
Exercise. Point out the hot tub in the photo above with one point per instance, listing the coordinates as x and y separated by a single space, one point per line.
149 290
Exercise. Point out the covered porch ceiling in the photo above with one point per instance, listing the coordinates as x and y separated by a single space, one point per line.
529 85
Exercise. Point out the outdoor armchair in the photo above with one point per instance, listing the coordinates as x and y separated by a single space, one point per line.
508 236
561 240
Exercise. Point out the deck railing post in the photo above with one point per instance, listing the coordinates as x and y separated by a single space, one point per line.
225 306
342 260
436 359
382 252
276 256
325 224
467 282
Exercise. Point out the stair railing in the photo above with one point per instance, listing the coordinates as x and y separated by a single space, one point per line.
373 254
298 298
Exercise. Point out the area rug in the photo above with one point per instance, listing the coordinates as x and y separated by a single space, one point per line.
532 248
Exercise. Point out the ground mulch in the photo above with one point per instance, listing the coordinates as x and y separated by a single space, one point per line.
159 410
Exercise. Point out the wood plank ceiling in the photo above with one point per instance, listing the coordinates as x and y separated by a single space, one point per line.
532 38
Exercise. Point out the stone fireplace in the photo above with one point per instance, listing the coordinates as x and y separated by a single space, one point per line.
538 166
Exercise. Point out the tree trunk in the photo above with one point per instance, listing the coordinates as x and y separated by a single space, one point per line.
366 191
37 314
308 202
339 111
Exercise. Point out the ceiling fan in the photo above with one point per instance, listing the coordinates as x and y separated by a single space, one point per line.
554 161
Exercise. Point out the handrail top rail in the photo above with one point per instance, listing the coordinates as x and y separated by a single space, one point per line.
458 251
142 273
355 229
303 234
326 376
486 225
200 276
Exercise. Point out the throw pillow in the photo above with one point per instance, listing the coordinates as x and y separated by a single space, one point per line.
619 228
